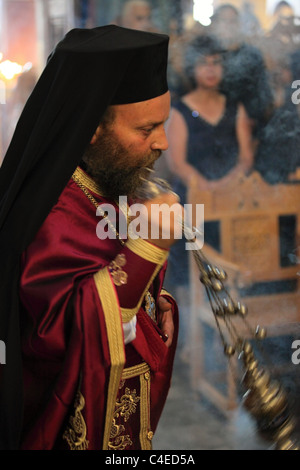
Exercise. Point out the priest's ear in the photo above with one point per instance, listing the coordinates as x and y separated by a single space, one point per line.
106 121
95 136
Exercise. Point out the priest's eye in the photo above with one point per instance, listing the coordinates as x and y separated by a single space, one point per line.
147 130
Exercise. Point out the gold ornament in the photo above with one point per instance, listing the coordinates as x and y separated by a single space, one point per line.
115 268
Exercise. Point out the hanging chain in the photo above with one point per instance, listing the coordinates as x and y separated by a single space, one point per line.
95 203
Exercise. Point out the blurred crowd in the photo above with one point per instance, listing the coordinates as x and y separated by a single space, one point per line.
231 86
255 69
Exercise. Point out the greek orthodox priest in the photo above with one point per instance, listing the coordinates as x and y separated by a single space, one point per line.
90 333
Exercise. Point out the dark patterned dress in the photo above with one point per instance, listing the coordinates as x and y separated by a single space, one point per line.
213 151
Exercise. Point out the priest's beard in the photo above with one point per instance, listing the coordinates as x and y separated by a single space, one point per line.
110 165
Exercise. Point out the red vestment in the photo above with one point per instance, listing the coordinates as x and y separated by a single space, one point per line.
83 388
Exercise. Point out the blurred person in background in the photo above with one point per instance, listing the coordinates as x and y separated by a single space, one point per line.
283 13
250 24
210 141
137 14
245 78
210 135
278 155
282 40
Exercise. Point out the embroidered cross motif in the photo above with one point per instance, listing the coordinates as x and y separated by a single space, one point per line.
115 268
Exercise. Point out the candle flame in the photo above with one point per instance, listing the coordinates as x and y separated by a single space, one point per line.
10 69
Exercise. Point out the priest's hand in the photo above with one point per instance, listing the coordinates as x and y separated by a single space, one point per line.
164 220
165 319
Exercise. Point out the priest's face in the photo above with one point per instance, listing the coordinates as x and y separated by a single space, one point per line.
126 143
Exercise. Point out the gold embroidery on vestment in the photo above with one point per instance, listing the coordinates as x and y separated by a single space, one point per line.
127 404
118 442
75 434
125 407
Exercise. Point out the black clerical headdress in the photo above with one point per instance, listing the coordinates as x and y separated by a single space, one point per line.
87 71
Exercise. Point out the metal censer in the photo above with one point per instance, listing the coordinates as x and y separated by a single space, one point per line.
265 399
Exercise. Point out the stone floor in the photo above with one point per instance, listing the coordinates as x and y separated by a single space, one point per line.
191 423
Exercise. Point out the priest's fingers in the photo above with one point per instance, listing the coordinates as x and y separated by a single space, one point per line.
166 325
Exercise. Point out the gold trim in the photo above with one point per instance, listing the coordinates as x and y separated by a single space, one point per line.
147 251
129 313
112 314
134 371
165 292
145 432
88 182
152 254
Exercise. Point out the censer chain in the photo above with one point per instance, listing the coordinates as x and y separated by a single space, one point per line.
265 398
